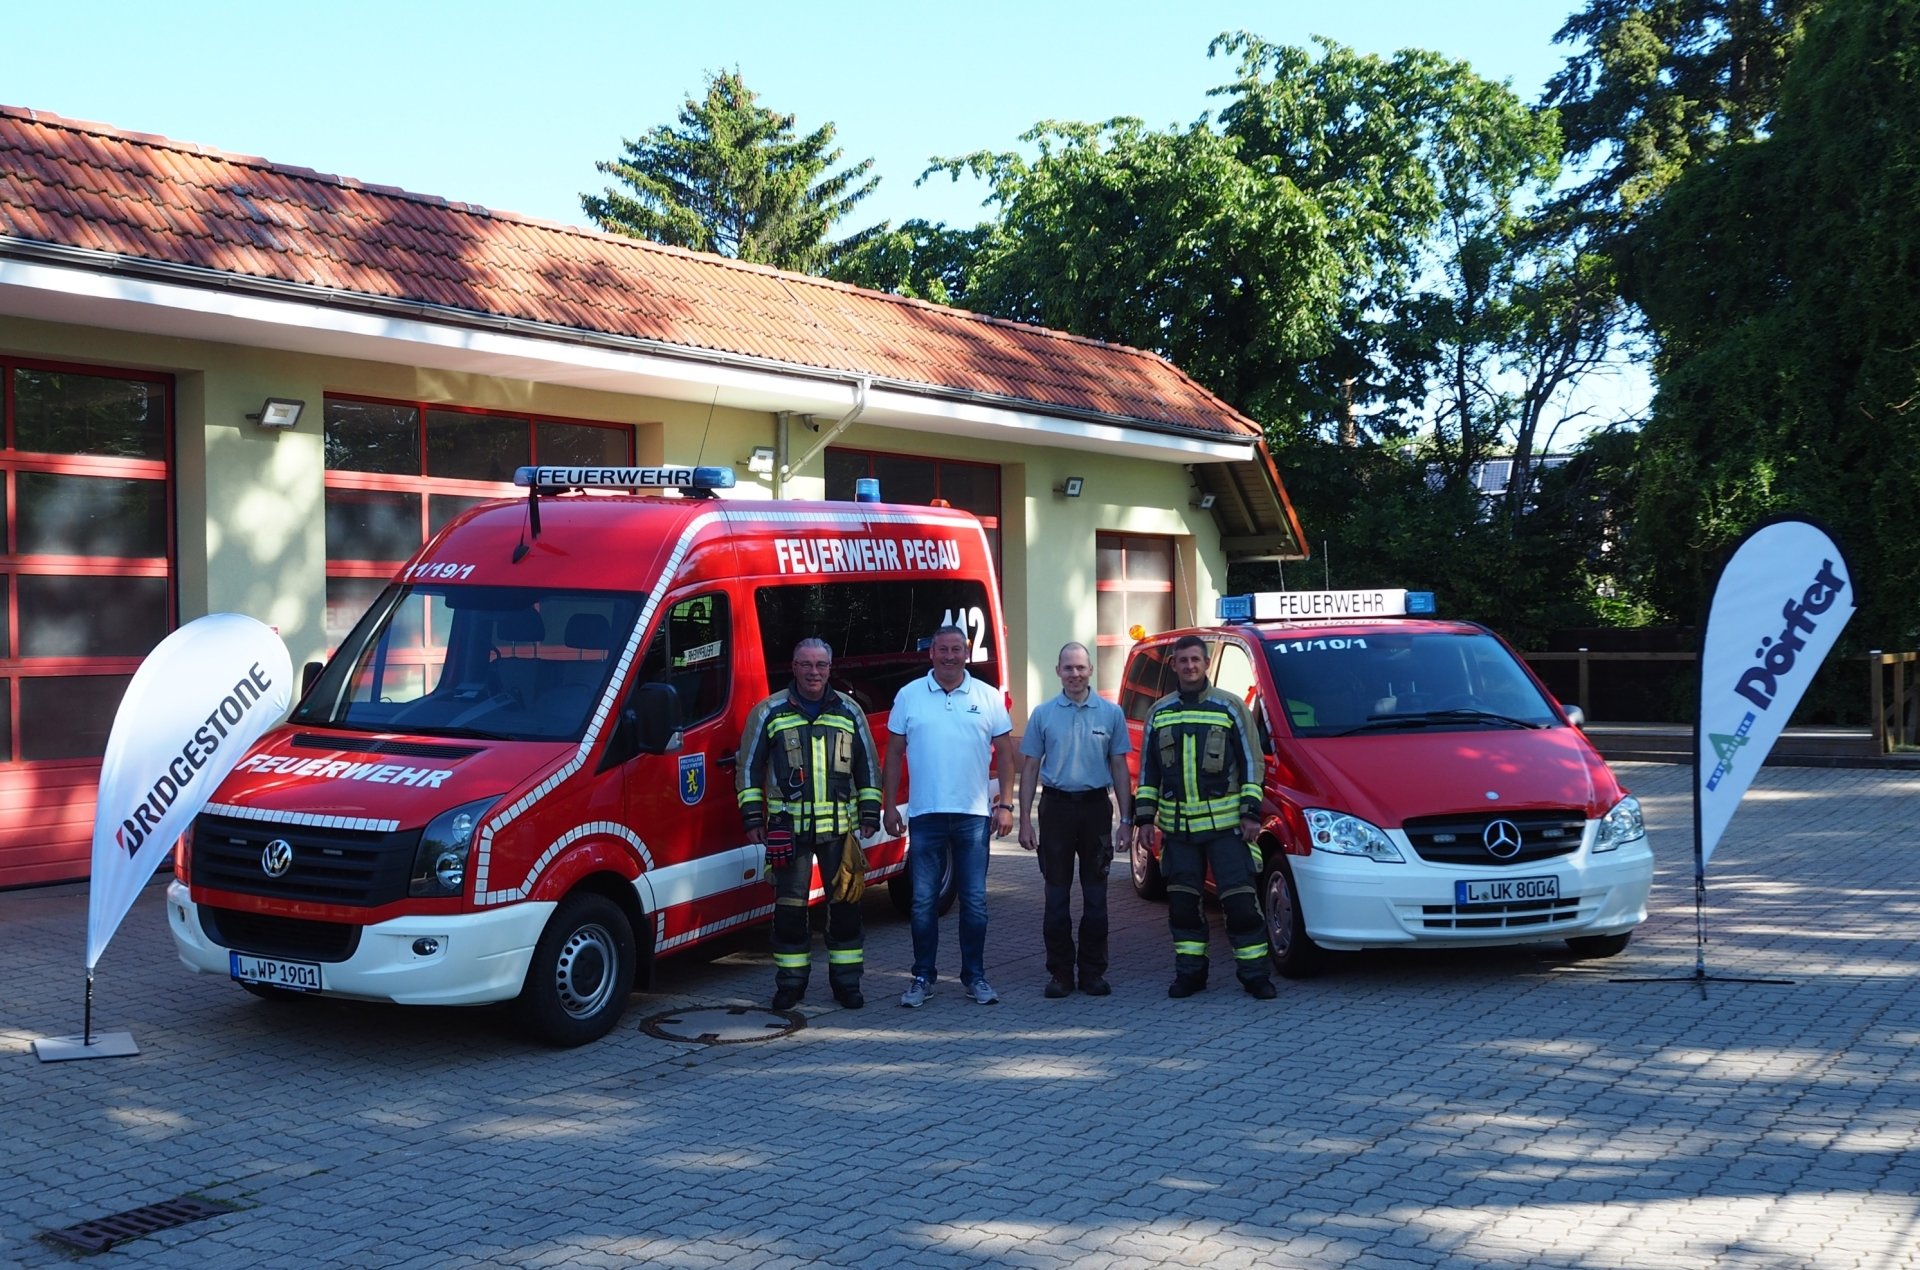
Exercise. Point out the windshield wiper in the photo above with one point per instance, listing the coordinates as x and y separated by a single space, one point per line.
1427 718
479 734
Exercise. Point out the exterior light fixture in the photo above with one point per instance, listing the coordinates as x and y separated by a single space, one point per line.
1070 488
279 413
1204 502
761 460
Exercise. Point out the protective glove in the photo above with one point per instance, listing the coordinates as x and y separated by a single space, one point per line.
779 846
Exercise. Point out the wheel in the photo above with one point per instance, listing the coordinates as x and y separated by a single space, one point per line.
1293 954
1145 867
581 975
1586 947
900 888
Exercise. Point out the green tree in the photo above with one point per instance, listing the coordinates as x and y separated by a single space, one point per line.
1780 278
734 179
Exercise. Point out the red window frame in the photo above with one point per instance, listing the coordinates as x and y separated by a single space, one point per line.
425 486
989 522
1112 646
15 564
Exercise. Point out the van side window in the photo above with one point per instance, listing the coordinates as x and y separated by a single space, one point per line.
692 652
879 631
1148 679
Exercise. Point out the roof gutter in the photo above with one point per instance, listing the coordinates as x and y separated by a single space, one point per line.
196 276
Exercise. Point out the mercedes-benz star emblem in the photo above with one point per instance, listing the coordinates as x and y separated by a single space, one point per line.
1503 839
277 857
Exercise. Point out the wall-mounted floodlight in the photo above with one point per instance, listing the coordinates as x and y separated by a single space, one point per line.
1070 488
761 460
1204 502
278 412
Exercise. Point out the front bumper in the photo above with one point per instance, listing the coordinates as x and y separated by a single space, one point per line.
1350 902
480 957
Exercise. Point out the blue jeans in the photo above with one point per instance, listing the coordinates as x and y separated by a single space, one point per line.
931 838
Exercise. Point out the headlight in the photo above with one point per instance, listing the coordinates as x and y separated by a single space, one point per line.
440 865
1348 835
1623 824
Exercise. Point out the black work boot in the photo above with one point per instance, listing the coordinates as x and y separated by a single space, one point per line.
1260 989
786 997
1186 985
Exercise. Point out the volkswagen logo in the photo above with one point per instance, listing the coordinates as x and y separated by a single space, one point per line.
277 857
1503 839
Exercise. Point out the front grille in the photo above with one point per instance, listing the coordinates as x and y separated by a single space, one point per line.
264 935
1463 839
379 745
1514 916
330 866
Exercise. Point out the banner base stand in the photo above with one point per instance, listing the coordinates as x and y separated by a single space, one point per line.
1699 978
58 1049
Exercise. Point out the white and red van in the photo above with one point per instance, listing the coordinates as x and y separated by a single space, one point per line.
514 778
1422 787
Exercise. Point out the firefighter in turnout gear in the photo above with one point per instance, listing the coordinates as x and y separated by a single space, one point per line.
807 776
1200 774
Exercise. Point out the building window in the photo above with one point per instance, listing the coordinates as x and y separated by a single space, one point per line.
398 471
910 478
1133 580
86 570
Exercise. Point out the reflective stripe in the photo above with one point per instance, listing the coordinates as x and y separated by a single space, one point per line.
845 956
791 961
1187 948
1251 952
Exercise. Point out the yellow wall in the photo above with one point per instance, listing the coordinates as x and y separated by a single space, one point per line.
251 519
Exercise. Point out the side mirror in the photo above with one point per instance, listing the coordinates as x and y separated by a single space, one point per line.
309 674
1575 715
654 711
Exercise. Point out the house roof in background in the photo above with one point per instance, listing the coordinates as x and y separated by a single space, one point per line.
131 196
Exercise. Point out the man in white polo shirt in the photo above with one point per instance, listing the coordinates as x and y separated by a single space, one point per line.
952 728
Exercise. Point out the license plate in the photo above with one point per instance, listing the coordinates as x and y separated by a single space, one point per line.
1506 890
296 976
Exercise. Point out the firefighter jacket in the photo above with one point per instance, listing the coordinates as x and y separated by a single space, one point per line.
821 774
1200 770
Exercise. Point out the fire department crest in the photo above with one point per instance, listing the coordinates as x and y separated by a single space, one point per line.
693 778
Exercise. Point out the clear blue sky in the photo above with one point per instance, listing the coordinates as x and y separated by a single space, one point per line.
510 105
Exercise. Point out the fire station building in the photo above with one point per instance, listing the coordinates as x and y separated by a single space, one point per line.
228 384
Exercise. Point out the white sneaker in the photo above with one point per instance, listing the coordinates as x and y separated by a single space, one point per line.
916 994
981 992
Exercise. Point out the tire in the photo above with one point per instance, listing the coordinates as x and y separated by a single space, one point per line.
1593 947
1144 865
1294 955
900 889
581 974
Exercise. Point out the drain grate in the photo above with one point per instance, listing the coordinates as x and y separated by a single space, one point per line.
103 1233
723 1025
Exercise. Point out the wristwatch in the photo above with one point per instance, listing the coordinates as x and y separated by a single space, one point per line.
1003 806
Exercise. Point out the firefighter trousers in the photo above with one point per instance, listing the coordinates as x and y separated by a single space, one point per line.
1184 861
792 939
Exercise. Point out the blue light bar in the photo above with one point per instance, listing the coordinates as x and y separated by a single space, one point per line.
1421 603
1235 608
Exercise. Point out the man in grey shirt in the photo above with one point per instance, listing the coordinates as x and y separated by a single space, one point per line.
1075 747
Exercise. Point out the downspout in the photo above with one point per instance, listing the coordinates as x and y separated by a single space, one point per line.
781 418
784 470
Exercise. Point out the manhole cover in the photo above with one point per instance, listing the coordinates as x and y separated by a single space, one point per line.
724 1024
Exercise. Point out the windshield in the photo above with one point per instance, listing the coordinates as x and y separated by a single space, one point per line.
1339 685
506 663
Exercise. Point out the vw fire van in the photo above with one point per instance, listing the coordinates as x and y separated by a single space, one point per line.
513 781
1422 788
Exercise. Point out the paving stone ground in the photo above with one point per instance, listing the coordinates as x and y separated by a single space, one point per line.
1508 1108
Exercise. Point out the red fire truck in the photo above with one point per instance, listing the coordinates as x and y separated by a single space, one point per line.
513 780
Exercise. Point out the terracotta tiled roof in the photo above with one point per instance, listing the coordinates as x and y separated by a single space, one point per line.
87 186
